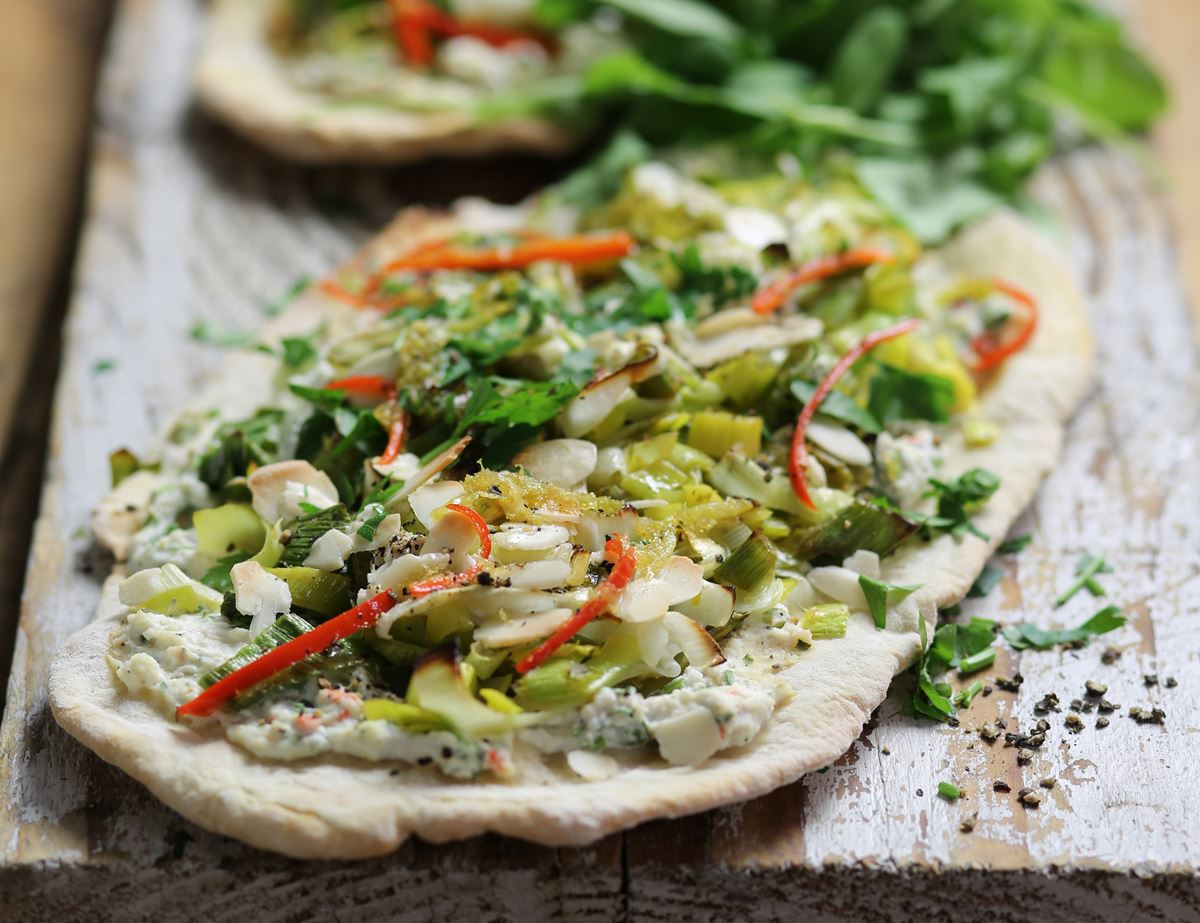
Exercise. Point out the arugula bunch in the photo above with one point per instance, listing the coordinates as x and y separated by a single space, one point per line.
949 105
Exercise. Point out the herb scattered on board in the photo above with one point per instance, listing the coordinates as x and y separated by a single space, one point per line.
1086 570
953 646
103 365
1026 635
1015 544
949 791
204 332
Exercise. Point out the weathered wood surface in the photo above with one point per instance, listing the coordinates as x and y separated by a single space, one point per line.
48 55
186 224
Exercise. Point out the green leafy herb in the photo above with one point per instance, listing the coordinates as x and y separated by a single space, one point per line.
218 577
989 578
371 524
949 791
958 500
880 595
103 365
953 645
897 394
298 352
307 529
237 445
204 332
838 406
273 308
1086 570
1015 544
1027 635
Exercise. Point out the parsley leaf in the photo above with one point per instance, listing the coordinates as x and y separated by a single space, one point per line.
237 445
371 523
297 352
837 405
957 500
988 579
204 332
1015 544
1027 635
897 394
880 595
218 577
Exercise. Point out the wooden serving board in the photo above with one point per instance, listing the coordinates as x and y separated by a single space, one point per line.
185 224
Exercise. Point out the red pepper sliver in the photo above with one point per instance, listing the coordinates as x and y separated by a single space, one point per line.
799 454
368 386
991 354
578 250
772 295
396 433
364 615
444 581
481 527
606 595
410 27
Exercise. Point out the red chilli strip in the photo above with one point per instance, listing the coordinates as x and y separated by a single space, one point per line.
772 296
362 616
447 26
989 353
410 28
396 434
799 454
600 603
375 387
481 527
577 250
444 582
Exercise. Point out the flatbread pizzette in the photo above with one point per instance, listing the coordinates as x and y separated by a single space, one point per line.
551 520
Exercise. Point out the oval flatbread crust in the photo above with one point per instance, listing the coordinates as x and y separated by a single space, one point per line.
241 81
340 808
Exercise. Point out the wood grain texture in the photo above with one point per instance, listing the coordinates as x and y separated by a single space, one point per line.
185 224
1170 30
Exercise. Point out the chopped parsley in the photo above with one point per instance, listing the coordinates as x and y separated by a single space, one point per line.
1015 544
989 578
371 524
957 501
1027 635
103 365
879 596
949 791
204 332
898 394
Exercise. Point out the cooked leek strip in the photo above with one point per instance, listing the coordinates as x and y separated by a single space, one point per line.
826 620
284 628
393 651
404 715
716 432
563 683
750 565
859 525
316 590
225 529
308 529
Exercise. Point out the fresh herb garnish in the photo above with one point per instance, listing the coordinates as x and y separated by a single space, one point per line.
953 646
103 365
218 577
989 578
880 595
898 394
957 501
298 352
837 405
237 445
1015 544
1027 635
1086 570
271 309
371 524
204 332
949 791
